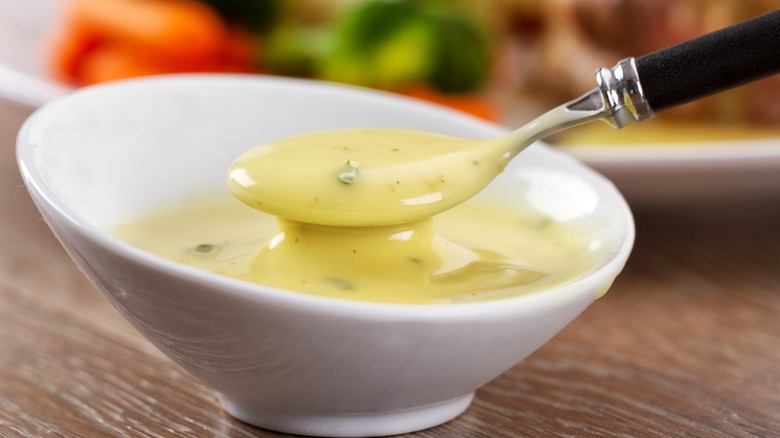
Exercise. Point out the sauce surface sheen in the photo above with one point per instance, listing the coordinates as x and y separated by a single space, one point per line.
364 176
473 252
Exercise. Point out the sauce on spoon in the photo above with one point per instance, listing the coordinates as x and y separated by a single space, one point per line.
377 176
363 177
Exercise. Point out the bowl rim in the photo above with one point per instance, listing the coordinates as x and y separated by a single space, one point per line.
599 277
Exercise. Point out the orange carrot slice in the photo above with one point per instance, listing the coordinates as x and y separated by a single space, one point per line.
110 62
69 44
179 29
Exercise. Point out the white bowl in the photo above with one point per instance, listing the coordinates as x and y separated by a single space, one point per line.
287 361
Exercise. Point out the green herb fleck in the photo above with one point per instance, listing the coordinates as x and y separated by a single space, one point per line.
541 222
350 173
205 249
341 283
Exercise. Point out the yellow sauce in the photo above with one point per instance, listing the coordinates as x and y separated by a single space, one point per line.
472 252
355 222
364 177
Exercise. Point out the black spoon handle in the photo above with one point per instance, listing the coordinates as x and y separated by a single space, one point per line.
711 63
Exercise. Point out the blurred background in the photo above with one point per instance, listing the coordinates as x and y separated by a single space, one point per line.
505 61
502 60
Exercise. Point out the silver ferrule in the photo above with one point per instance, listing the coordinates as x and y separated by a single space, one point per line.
622 93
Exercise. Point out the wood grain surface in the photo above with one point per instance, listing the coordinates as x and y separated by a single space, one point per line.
685 344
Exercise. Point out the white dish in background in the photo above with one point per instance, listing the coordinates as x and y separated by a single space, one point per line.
689 173
646 174
24 28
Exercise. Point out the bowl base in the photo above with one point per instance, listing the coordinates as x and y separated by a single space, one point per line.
339 424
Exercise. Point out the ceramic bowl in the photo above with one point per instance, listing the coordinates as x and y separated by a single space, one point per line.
281 360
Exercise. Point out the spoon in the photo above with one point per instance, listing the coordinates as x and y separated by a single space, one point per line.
382 176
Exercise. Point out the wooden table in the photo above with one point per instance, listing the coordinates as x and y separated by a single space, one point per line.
686 343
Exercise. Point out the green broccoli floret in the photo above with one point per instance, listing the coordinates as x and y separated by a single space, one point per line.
380 44
251 14
392 43
294 49
462 52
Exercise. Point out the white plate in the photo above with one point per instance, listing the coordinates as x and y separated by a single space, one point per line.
646 174
714 172
24 29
